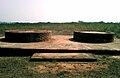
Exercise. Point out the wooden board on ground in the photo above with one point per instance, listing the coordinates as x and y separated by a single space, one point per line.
82 57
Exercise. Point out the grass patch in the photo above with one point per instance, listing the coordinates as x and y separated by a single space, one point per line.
20 67
63 28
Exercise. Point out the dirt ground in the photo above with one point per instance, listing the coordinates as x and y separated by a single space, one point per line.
62 42
67 67
116 57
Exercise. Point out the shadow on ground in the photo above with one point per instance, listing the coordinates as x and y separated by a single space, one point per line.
30 52
89 42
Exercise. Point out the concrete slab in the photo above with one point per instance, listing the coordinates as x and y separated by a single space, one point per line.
86 57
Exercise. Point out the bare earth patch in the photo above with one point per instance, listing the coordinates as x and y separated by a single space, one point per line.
68 67
116 57
63 42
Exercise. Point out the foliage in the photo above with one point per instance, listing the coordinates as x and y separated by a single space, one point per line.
63 28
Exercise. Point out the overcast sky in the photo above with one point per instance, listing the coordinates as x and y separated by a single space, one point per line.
59 10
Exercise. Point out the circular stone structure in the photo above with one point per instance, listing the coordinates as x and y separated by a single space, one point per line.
93 36
27 35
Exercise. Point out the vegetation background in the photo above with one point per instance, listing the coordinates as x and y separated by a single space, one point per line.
63 28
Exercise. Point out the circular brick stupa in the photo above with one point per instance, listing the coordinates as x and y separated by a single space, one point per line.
27 35
93 36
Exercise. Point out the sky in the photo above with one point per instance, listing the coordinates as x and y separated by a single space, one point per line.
59 10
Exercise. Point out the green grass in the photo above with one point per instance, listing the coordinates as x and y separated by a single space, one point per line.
63 28
19 67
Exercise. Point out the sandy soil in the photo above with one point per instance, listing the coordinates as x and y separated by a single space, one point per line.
116 57
62 42
68 67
